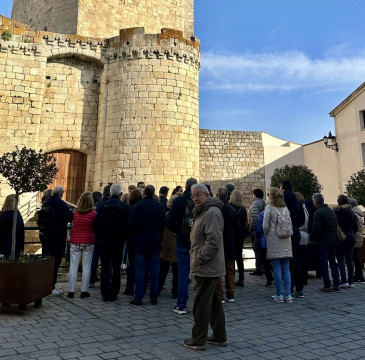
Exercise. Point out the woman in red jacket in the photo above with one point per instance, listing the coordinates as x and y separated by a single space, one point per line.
82 243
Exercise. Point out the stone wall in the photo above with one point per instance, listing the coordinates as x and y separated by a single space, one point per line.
232 157
51 15
99 18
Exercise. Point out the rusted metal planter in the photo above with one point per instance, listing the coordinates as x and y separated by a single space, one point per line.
26 283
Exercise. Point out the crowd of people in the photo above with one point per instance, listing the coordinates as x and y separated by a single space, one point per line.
195 234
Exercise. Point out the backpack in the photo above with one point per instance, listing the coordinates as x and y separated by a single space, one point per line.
284 228
111 220
47 221
188 219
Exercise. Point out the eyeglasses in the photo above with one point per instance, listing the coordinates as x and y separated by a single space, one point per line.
196 196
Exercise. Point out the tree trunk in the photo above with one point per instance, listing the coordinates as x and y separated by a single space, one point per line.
13 235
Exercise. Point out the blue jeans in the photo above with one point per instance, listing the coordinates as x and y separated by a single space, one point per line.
147 264
183 264
281 272
344 252
328 255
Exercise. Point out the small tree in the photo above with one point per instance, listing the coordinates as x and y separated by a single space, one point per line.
355 187
26 170
301 177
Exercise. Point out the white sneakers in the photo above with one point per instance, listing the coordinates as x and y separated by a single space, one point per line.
56 291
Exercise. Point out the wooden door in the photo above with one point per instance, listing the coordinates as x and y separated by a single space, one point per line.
71 175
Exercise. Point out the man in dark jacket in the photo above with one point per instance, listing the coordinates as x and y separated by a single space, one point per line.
96 254
297 218
164 190
231 233
111 231
147 222
174 221
324 234
56 238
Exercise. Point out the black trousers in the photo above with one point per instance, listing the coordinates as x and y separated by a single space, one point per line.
56 248
164 270
296 268
239 259
357 263
111 258
208 309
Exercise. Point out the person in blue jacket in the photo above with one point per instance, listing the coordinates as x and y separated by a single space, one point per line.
260 235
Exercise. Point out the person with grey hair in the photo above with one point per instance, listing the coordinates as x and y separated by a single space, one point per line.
180 219
56 237
347 222
111 230
231 235
147 222
324 234
207 266
359 276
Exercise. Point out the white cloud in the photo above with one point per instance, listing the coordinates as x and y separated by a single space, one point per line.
283 72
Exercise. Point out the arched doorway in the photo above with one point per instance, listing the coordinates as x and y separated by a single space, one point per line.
72 173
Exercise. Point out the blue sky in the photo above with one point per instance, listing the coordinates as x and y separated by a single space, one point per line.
276 66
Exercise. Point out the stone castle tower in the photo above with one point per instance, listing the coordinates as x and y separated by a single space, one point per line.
111 87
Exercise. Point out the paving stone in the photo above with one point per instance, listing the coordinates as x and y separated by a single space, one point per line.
316 327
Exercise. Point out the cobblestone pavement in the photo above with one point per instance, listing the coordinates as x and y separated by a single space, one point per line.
319 326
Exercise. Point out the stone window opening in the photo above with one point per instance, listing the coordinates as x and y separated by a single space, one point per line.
362 119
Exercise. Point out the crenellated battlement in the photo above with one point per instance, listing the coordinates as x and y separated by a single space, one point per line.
132 44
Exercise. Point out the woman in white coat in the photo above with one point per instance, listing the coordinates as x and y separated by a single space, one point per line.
279 249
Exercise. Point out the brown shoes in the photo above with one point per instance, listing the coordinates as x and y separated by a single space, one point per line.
189 344
326 289
212 340
239 283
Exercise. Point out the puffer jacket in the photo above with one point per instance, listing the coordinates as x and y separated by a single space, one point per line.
207 251
259 231
277 248
257 205
82 231
360 221
324 229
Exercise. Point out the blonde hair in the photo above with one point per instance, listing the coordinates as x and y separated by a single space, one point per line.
125 198
277 197
85 203
236 198
172 198
9 204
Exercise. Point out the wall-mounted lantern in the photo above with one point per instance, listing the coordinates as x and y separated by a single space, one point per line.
332 139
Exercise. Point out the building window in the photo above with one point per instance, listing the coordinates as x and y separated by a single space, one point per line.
362 119
363 153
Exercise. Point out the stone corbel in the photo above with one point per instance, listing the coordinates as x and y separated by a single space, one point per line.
13 49
137 54
169 56
149 54
186 59
178 56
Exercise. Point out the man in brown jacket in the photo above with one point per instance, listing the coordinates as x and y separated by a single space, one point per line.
207 265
